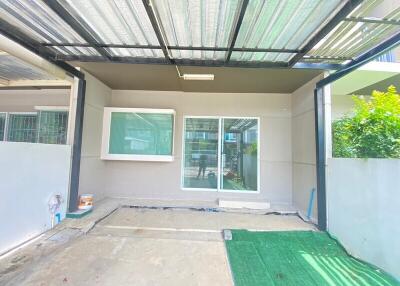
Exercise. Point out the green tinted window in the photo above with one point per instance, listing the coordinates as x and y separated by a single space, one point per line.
141 133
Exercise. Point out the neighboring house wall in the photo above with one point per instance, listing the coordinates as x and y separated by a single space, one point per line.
30 174
92 172
341 105
26 100
159 180
363 209
303 145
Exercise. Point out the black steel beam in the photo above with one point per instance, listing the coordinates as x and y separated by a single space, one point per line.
180 48
340 15
76 26
77 147
20 38
236 29
154 23
372 20
319 110
205 63
382 48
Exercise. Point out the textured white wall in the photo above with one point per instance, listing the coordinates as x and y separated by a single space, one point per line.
303 145
363 209
29 175
26 100
162 180
92 172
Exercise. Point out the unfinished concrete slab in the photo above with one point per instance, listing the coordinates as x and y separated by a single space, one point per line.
100 260
136 246
187 219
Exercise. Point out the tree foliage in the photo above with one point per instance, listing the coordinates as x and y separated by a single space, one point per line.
373 129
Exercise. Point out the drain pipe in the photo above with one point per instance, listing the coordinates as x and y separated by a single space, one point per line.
14 49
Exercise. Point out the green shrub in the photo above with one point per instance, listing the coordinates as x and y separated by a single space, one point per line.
373 131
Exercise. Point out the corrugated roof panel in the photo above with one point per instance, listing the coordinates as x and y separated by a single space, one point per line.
140 53
38 21
279 24
75 51
352 39
261 56
116 22
198 55
202 23
12 68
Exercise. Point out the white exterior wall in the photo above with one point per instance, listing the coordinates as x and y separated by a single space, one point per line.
29 175
363 209
92 178
162 180
303 144
26 100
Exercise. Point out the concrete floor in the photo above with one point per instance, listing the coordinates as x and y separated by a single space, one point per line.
136 246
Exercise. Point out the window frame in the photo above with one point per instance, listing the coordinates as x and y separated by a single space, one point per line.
21 113
105 142
4 139
37 113
59 109
220 138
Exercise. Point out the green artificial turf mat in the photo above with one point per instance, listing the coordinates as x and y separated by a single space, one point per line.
298 258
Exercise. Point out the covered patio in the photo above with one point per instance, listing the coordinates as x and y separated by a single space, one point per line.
183 119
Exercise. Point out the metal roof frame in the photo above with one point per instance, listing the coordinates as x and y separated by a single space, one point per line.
300 59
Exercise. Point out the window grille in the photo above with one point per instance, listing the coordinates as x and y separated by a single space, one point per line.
22 127
53 126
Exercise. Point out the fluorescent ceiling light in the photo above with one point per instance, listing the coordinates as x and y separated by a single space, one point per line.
197 76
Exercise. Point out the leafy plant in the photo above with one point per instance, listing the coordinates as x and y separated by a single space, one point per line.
373 131
251 149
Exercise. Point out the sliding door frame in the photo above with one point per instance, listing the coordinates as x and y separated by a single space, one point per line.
219 155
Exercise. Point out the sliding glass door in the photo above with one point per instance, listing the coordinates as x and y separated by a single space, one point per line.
221 154
201 153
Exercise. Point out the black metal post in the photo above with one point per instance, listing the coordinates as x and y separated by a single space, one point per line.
77 147
319 110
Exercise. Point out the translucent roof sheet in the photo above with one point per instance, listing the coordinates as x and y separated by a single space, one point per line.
39 21
199 55
12 68
282 24
261 56
140 53
201 23
351 39
116 22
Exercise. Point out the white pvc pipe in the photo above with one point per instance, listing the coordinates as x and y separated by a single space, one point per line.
29 57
